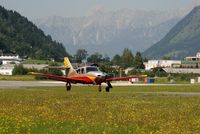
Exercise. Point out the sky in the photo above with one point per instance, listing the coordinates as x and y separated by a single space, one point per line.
74 8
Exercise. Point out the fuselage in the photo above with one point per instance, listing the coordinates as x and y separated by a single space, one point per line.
90 75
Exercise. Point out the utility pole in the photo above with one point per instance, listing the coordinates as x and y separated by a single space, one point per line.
120 72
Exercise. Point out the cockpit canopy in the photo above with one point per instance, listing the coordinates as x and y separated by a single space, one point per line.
91 68
87 69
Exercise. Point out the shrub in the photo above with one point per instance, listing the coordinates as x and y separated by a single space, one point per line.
19 70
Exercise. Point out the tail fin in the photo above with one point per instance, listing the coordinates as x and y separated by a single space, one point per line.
69 70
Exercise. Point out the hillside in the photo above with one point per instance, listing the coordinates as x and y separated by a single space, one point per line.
182 40
19 35
109 32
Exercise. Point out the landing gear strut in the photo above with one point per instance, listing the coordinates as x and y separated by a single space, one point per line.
108 87
68 86
100 88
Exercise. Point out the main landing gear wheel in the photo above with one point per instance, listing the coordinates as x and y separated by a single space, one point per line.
108 87
68 86
99 88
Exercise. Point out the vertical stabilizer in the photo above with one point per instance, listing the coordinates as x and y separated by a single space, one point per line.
69 70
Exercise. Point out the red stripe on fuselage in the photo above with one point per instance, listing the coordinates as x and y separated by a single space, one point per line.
83 79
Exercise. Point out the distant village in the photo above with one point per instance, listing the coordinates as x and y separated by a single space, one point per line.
189 64
8 62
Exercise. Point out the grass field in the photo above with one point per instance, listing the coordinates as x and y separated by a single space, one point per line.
18 77
30 61
84 110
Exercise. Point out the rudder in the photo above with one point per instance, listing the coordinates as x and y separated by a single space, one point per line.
69 70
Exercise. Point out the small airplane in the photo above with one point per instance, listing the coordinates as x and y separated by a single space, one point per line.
86 75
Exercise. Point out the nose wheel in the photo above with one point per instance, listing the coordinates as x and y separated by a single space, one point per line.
68 86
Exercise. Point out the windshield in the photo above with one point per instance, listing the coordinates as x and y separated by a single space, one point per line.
89 69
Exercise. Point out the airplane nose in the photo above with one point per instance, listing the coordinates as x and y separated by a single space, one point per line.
102 75
100 78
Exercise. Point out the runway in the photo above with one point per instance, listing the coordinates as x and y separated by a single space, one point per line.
13 84
18 84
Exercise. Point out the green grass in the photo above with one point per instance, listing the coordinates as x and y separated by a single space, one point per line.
30 61
84 110
18 77
154 88
164 80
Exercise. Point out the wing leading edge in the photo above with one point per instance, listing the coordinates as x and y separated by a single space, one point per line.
125 78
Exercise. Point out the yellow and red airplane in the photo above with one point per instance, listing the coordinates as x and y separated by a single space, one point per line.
85 75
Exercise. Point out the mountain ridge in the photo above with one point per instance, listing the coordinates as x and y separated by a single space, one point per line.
181 41
21 36
108 31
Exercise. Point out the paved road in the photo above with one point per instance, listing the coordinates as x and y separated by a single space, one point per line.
14 84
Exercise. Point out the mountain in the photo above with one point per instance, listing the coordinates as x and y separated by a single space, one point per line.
19 35
110 32
182 40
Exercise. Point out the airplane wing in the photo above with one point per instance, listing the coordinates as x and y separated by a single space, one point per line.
125 78
75 79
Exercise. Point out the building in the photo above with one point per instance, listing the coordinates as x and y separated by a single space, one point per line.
182 70
188 65
160 63
10 59
7 63
191 62
6 69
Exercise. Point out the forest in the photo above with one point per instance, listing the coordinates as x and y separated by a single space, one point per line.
20 36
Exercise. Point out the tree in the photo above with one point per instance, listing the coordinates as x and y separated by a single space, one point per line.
127 58
54 71
20 36
138 61
80 55
106 59
116 60
166 58
109 70
95 58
